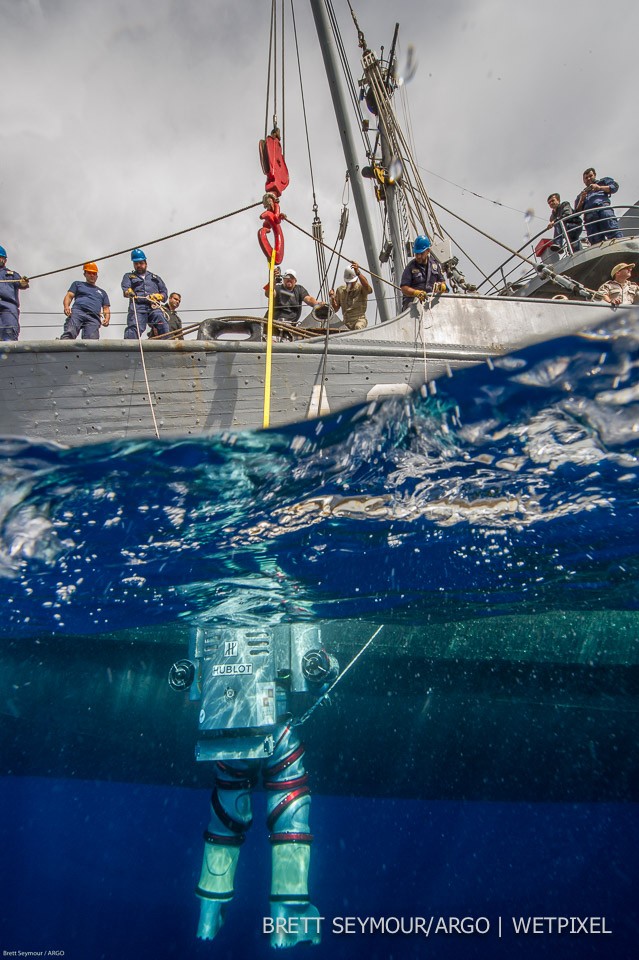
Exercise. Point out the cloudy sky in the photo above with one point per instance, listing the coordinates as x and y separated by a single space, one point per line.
125 122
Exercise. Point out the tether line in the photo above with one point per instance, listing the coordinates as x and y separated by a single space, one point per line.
148 243
313 708
146 378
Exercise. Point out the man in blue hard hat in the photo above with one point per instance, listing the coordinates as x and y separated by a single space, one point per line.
423 274
147 295
11 283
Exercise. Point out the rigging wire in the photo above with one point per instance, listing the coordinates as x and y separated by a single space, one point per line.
480 196
349 259
517 253
322 268
409 127
348 76
308 140
465 253
411 137
149 243
341 236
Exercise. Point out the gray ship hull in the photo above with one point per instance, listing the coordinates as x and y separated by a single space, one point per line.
75 392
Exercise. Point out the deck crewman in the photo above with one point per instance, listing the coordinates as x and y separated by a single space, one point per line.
621 289
352 297
11 283
147 295
423 274
174 319
86 306
594 201
288 299
563 223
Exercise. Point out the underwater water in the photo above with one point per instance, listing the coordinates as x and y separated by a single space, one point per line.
478 761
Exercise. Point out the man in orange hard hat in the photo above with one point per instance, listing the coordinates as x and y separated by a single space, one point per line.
91 307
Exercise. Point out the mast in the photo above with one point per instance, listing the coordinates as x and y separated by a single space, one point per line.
373 74
341 111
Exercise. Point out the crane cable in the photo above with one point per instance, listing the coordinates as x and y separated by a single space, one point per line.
272 71
272 62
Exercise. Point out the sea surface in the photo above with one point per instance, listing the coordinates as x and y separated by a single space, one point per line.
479 759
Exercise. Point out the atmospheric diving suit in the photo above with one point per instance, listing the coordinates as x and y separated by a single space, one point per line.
249 681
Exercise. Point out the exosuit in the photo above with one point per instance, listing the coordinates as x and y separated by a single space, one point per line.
249 681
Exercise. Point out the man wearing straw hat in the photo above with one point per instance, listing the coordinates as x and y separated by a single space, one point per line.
620 289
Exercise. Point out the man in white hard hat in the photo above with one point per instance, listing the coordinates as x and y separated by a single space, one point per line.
289 297
352 296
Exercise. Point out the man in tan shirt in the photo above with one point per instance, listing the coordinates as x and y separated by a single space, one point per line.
620 289
352 297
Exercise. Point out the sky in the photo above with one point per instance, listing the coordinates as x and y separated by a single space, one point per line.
125 122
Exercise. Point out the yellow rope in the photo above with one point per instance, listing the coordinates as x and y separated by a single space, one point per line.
269 343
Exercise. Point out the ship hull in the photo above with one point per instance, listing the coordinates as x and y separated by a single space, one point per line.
86 391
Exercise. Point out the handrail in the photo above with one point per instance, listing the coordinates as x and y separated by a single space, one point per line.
567 251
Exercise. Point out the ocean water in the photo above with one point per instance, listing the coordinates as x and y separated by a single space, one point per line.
478 761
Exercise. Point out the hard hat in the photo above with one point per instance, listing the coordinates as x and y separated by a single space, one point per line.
90 267
422 243
3 252
137 255
349 275
291 273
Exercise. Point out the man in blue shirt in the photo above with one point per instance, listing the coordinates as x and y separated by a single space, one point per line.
11 283
147 295
594 200
422 275
91 307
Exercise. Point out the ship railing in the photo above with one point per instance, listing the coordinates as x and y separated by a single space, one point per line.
501 278
48 325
